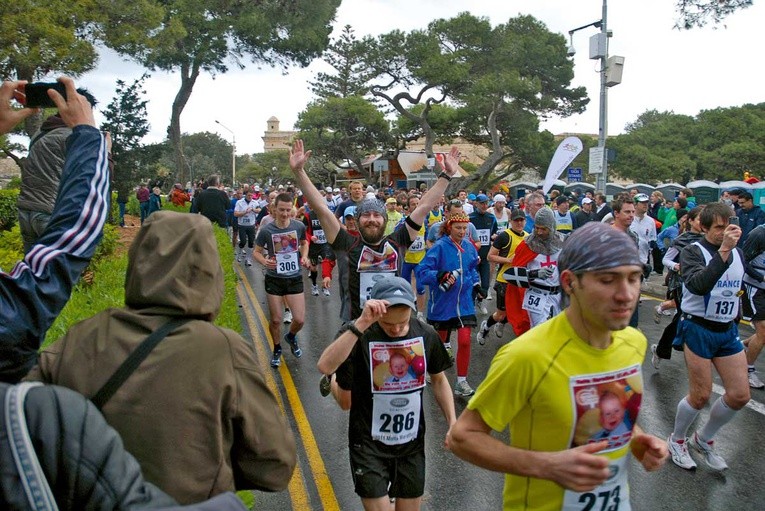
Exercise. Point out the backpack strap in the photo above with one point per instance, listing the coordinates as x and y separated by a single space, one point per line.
134 360
39 494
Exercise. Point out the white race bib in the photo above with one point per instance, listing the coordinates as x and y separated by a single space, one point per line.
484 236
287 264
613 495
418 245
395 417
536 301
367 281
321 238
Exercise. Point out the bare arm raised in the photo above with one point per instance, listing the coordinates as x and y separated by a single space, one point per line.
298 158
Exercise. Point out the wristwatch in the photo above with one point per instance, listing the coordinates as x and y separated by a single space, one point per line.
445 176
355 331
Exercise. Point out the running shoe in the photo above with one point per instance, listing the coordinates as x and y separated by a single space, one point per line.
657 314
325 385
326 291
754 381
490 298
655 359
247 262
314 290
449 352
238 257
680 455
463 389
499 329
294 346
481 335
482 308
276 358
714 460
287 316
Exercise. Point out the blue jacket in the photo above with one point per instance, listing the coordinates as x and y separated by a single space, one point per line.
34 292
457 301
748 220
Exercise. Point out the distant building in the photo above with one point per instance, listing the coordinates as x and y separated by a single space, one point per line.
275 139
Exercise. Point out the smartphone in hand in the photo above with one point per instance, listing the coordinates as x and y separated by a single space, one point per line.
733 220
36 94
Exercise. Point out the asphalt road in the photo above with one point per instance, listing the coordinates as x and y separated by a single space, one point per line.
323 481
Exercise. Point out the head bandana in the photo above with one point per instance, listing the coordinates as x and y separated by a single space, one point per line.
553 243
371 205
596 246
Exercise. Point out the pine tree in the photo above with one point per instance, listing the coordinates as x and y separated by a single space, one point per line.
350 77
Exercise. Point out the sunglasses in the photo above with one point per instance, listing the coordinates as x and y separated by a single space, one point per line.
455 202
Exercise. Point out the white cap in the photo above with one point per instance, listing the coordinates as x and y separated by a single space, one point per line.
328 189
500 198
281 187
586 200
336 190
370 188
257 188
371 195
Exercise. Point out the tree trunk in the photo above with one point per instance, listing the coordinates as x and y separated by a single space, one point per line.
188 78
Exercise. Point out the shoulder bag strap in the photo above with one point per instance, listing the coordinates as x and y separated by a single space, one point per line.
133 361
39 494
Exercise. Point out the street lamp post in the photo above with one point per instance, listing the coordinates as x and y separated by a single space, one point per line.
233 152
610 75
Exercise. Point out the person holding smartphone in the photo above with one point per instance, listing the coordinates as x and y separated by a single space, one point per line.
34 292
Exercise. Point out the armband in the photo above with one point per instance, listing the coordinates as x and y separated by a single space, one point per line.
355 331
445 176
411 223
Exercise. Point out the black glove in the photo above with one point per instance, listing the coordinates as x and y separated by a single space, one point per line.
478 292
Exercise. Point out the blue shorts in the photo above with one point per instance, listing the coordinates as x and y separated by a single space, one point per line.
406 273
706 343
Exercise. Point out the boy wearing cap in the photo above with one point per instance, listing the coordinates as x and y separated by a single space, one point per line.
386 432
547 386
394 217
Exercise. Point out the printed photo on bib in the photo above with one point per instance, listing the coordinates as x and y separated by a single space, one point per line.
398 377
397 366
374 266
285 242
606 406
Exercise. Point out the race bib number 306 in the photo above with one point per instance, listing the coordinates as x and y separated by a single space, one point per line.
287 263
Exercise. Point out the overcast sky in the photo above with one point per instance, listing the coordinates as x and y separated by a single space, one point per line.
665 69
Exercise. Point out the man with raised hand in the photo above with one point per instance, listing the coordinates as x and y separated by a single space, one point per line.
34 292
371 255
569 390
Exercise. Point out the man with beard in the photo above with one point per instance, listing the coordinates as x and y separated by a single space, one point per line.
356 196
372 255
535 268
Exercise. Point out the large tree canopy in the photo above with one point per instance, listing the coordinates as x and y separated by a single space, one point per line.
718 144
499 80
195 36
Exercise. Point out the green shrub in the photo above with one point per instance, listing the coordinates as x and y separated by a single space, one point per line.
108 242
11 248
133 207
9 214
14 183
169 206
107 289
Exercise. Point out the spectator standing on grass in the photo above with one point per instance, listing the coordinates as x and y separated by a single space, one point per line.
41 174
197 413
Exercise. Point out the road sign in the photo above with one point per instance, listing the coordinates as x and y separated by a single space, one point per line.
575 174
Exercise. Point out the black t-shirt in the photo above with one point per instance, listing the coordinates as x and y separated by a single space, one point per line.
369 263
386 377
